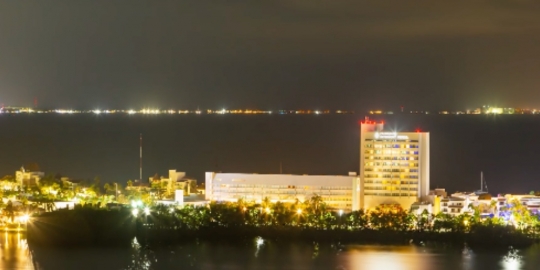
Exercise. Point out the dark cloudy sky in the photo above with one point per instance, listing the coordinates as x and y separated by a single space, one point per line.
270 54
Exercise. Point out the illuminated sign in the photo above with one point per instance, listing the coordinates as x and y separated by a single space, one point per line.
390 135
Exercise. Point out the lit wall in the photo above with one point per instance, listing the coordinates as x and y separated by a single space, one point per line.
394 166
339 192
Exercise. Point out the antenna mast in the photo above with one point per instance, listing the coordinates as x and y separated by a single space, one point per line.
481 181
140 157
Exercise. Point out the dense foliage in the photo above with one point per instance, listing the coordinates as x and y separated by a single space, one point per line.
314 214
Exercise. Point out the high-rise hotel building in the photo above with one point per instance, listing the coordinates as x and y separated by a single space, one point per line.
394 166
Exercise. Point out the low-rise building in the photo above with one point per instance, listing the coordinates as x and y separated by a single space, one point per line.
28 178
418 208
175 181
338 192
453 206
532 202
139 186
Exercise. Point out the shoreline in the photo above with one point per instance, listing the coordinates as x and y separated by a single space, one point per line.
88 226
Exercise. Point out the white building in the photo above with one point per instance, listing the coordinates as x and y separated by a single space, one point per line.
454 206
394 166
28 178
339 192
532 202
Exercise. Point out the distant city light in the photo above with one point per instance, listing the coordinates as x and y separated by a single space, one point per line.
486 110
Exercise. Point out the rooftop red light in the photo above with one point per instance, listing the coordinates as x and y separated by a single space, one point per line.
366 121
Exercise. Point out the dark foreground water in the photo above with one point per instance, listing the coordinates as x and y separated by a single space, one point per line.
262 254
505 147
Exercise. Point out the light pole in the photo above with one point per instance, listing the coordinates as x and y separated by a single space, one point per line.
340 214
116 192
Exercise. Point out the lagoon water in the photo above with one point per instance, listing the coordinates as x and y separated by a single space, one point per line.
84 146
262 254
504 147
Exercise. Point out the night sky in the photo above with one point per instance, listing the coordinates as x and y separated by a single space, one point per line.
270 54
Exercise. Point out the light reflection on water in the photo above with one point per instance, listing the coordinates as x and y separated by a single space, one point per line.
260 253
396 258
15 252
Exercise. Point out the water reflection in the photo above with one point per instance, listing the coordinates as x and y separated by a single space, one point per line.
141 257
388 257
259 242
512 260
467 255
15 252
269 254
315 250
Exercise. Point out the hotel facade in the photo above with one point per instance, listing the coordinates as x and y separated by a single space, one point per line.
394 166
394 169
338 192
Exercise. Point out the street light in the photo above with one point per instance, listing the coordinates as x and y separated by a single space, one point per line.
24 218
135 212
299 211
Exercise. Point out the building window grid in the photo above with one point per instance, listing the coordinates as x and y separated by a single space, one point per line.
396 183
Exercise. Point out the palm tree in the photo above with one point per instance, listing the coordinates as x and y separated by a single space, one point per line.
10 212
315 202
357 220
493 206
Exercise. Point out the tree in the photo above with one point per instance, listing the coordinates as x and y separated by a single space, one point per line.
315 203
422 220
48 180
107 188
357 220
10 212
96 186
521 217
